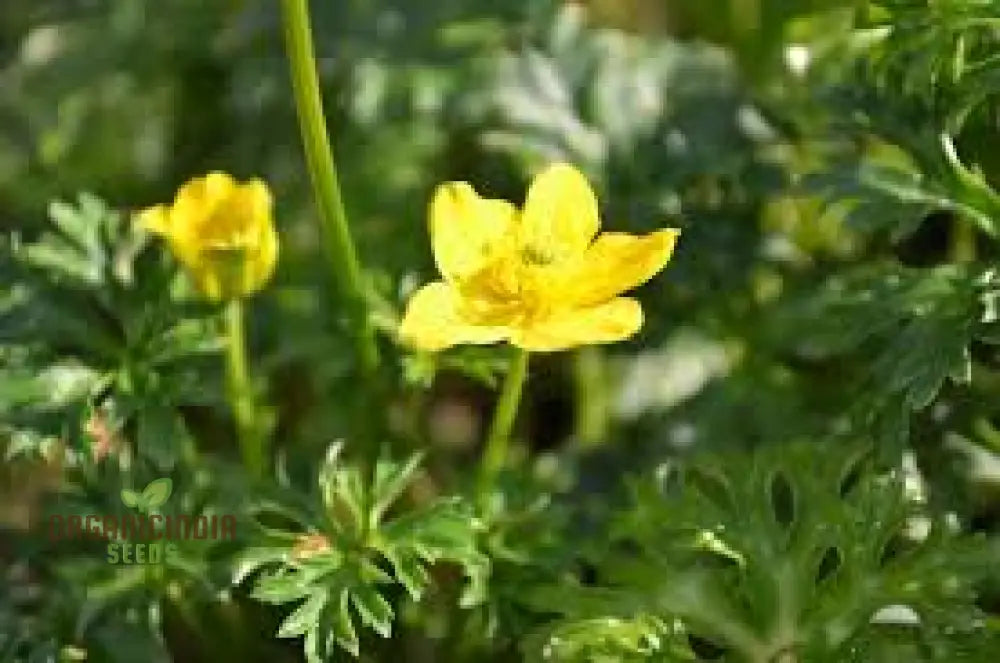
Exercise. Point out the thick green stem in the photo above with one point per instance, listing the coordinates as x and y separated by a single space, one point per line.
495 452
341 254
241 395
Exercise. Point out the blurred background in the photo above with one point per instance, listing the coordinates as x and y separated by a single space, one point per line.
735 120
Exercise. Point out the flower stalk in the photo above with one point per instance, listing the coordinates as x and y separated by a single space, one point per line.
241 393
498 441
341 253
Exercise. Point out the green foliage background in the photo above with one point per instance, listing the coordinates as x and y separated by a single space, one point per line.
798 458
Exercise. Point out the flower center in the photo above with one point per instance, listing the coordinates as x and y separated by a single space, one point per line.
532 255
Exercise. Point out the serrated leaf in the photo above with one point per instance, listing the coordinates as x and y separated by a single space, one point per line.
913 327
305 617
375 611
252 559
343 627
442 527
344 497
391 479
355 563
80 223
409 571
314 646
372 573
829 545
925 353
55 255
280 588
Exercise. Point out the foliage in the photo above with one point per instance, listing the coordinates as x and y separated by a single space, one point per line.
795 460
337 562
91 325
792 549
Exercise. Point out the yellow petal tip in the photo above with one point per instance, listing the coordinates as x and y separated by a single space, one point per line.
153 219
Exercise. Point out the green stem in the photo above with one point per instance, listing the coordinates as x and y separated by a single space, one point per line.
495 452
963 240
341 254
591 414
241 396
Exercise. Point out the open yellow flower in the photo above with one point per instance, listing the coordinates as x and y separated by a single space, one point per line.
541 278
222 232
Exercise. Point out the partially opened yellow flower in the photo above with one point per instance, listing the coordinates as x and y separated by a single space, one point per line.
541 278
222 232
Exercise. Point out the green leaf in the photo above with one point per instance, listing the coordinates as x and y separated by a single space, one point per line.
343 627
344 497
375 611
279 588
54 387
252 559
925 353
81 223
909 330
305 617
409 571
343 491
56 255
391 479
783 527
314 647
644 638
443 528
358 562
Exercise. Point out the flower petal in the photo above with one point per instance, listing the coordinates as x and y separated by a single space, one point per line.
263 260
162 221
201 194
155 219
252 202
560 215
613 321
467 230
615 263
432 321
255 200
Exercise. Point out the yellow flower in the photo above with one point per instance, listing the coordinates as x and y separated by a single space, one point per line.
222 232
541 278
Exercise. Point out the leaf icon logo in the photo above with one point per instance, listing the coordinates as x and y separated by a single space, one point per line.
152 496
130 498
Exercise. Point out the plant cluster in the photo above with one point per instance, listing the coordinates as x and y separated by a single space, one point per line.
723 387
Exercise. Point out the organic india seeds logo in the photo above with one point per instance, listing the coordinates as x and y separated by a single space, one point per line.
146 536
